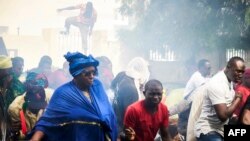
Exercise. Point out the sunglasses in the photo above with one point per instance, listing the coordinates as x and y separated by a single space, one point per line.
89 73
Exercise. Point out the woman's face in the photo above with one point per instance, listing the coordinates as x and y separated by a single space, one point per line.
86 78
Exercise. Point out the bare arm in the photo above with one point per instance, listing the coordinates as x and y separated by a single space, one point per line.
223 112
38 135
68 8
165 135
177 108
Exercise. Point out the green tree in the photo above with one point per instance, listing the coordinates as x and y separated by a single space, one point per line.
186 26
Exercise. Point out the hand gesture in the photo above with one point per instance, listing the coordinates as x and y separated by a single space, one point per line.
130 134
238 95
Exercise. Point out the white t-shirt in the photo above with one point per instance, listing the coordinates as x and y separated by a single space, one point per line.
218 90
193 83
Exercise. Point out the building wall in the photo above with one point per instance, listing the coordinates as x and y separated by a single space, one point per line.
39 22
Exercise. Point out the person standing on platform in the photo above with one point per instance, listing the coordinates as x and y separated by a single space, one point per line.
85 21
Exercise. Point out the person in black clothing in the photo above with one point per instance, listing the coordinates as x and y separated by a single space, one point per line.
127 86
127 94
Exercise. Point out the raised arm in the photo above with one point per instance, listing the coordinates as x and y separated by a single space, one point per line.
181 106
69 8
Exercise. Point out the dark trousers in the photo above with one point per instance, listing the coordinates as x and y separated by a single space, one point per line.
211 136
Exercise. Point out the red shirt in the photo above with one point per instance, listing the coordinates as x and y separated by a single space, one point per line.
145 124
245 93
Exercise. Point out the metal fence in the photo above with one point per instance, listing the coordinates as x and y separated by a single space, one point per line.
237 52
164 55
70 42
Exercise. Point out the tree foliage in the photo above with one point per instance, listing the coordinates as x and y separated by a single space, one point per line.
186 25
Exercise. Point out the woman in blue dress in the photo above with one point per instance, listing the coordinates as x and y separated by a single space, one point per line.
78 110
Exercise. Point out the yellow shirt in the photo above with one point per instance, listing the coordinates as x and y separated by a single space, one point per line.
31 119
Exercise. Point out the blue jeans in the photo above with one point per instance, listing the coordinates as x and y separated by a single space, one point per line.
211 136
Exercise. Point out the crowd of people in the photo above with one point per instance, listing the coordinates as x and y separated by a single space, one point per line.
85 101
74 103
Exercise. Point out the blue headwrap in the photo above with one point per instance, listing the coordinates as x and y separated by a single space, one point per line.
35 94
78 61
35 79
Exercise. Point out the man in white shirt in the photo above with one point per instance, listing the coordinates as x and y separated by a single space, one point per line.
220 101
183 108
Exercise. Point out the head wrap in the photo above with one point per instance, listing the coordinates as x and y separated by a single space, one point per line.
78 61
138 69
35 95
5 62
35 79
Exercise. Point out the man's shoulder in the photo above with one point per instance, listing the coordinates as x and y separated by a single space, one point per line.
16 105
196 74
219 76
163 106
218 80
137 106
196 77
127 83
125 79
